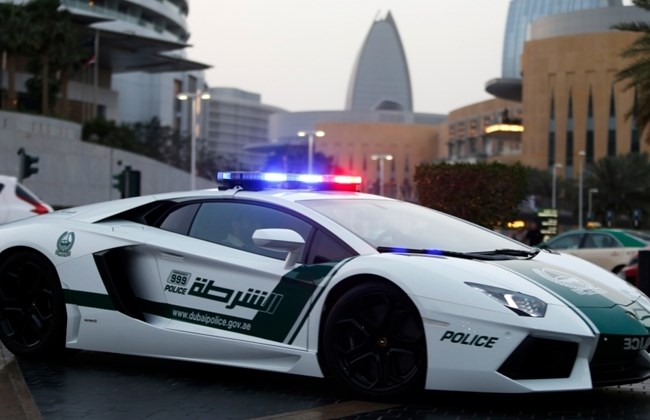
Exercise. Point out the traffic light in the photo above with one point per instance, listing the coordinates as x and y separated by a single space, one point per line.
119 182
636 218
133 184
127 182
26 164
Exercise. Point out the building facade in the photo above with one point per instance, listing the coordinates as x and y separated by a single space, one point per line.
521 13
574 109
488 131
236 124
150 93
384 154
134 60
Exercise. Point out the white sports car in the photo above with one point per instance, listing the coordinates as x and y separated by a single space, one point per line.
384 295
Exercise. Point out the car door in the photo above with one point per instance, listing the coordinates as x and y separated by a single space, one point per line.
605 250
217 282
596 249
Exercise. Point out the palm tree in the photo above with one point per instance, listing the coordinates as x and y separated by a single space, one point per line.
68 58
637 74
623 183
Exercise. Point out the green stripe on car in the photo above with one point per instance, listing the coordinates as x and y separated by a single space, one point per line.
297 288
609 310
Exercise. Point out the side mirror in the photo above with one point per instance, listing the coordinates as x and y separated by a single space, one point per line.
281 240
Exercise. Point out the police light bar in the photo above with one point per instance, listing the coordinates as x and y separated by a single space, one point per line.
262 180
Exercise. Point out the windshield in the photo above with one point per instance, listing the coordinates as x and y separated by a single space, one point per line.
398 224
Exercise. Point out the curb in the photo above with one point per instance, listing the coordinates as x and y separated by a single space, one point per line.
16 402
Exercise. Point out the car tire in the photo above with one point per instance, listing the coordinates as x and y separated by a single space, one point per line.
373 342
32 307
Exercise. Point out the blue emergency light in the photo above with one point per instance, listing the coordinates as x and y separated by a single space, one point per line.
264 180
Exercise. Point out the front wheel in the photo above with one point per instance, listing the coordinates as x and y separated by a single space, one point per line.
374 341
32 308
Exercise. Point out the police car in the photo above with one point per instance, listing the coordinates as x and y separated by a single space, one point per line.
385 296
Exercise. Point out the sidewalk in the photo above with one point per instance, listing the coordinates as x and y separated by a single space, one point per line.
16 402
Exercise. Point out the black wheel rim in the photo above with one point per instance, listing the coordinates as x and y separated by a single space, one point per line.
380 343
26 304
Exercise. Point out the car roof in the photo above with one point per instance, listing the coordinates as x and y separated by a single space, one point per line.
628 237
91 213
8 179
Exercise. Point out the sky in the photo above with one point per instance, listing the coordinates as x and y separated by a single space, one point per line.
299 54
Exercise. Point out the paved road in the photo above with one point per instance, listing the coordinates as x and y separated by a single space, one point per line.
16 402
101 386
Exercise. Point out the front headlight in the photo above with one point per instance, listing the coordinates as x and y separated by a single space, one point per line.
519 303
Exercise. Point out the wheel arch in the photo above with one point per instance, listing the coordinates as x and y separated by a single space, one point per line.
336 293
6 253
55 338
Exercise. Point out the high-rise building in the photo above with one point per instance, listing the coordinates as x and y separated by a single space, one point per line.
522 12
380 80
136 60
149 91
237 122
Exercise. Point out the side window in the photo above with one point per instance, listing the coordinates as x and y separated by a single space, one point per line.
591 241
602 240
233 223
567 242
180 219
325 249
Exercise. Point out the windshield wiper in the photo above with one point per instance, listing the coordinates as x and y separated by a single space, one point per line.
510 252
497 254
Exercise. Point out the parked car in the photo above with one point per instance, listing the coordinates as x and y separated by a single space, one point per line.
631 271
18 202
611 249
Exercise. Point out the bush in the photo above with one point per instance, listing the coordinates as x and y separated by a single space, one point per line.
486 194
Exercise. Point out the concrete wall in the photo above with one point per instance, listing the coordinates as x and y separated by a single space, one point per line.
72 172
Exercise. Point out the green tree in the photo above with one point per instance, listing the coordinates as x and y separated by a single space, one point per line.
156 141
486 194
623 184
164 144
52 35
13 41
637 73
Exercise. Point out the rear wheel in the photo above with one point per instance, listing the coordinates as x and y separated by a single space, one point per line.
32 308
374 342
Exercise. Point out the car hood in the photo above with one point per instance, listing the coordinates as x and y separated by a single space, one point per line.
604 300
569 279
582 289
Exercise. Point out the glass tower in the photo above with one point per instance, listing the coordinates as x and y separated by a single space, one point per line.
380 79
523 12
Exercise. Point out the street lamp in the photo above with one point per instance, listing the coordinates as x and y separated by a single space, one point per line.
195 98
381 157
310 152
580 194
591 191
554 192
